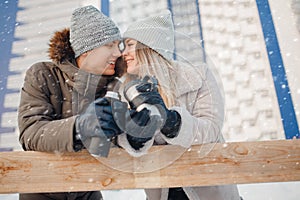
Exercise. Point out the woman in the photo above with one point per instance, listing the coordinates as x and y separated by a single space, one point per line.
189 95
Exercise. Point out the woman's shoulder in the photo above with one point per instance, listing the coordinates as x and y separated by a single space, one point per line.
190 69
189 77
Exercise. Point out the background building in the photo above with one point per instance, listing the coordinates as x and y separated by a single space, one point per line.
253 46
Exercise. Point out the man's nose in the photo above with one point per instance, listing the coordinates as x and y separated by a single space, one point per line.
117 52
124 52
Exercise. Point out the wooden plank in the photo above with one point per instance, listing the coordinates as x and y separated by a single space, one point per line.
208 164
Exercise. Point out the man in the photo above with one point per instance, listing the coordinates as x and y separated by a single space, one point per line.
58 111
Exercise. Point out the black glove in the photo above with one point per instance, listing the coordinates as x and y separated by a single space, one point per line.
138 128
97 121
149 94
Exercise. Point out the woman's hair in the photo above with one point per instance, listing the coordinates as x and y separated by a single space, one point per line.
152 63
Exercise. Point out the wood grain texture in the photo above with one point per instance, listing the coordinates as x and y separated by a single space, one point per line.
201 165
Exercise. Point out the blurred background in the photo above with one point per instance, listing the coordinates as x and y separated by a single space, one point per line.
253 45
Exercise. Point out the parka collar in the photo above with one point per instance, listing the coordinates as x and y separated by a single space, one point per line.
84 83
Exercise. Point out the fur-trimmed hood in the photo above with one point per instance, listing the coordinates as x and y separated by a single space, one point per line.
60 47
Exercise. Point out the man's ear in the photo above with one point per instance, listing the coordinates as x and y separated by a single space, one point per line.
81 58
84 54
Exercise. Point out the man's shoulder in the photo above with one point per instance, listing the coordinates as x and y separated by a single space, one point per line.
45 66
41 71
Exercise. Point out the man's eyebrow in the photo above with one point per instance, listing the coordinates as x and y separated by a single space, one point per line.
116 42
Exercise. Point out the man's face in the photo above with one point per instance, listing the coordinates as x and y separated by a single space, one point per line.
101 60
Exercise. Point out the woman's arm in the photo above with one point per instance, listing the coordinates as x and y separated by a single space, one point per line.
201 123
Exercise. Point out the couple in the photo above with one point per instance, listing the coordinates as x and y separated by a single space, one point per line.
62 102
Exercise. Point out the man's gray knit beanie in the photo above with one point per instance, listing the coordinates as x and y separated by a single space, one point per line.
156 32
90 29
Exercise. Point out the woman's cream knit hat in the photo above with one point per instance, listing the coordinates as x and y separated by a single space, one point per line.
156 32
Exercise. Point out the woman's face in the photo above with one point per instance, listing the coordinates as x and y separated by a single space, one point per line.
101 60
130 56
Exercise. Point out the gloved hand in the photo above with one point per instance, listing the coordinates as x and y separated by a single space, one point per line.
149 94
138 128
97 121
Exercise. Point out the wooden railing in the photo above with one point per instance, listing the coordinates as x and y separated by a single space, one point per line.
201 165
